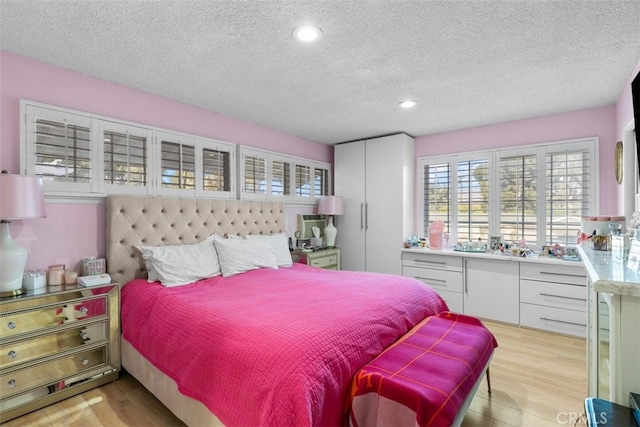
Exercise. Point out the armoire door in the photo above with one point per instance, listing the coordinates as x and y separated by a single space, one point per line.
385 203
349 177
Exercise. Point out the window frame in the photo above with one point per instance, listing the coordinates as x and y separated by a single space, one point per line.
270 157
97 189
591 145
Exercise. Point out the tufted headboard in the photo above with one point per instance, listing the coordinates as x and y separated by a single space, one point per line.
155 221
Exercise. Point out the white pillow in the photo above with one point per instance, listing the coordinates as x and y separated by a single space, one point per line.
279 243
240 255
176 265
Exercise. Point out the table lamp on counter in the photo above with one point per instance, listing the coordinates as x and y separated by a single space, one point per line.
330 206
21 197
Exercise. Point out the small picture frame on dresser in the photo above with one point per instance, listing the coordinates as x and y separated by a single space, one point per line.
494 242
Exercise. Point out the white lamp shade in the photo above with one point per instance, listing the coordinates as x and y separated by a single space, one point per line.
21 197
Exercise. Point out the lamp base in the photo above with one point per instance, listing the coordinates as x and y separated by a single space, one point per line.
330 232
13 293
13 258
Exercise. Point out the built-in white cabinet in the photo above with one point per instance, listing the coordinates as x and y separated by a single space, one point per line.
542 293
443 274
375 178
554 298
491 289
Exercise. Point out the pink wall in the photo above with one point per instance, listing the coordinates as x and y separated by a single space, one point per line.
600 122
75 231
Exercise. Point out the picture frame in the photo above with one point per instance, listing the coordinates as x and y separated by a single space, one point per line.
494 242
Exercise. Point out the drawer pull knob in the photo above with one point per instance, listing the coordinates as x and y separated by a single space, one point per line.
582 276
84 310
12 354
11 325
563 321
429 262
431 281
84 335
562 296
84 360
12 383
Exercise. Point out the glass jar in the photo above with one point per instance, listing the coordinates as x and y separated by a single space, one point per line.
55 275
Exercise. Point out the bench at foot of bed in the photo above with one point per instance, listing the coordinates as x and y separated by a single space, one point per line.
427 378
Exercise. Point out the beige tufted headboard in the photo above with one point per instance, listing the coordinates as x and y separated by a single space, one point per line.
155 221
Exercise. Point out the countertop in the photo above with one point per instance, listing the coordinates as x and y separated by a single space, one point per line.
489 255
609 274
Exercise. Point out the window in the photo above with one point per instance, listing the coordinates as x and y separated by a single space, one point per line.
536 193
456 192
194 166
255 174
280 177
125 158
518 198
272 176
303 181
473 199
83 155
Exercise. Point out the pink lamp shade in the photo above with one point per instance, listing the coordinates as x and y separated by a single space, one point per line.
21 197
331 205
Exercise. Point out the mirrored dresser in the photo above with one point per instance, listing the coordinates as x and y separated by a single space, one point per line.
56 342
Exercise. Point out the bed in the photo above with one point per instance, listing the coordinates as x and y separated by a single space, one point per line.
267 345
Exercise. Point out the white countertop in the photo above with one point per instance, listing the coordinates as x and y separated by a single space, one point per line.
489 255
609 274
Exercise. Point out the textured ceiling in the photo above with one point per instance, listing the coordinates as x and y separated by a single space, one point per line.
467 63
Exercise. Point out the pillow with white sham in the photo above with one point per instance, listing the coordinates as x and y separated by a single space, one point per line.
176 265
241 255
279 243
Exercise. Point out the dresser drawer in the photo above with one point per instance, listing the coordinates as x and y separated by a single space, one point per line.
554 319
425 260
324 261
17 352
438 279
454 300
556 273
572 297
49 372
41 318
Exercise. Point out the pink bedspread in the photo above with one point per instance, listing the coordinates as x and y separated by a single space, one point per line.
272 347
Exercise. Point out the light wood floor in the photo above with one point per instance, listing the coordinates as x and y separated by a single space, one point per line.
538 379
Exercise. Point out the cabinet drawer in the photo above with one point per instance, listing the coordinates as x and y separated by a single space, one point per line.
453 299
47 373
324 261
572 297
440 262
37 319
17 352
553 319
557 273
437 279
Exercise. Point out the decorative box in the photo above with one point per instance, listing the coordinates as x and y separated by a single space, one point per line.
92 266
34 279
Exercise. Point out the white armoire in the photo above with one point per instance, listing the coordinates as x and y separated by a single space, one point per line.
375 178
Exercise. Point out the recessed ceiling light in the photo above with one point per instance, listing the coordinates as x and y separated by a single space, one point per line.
409 103
307 33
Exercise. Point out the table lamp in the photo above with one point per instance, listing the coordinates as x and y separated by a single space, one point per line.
21 197
330 206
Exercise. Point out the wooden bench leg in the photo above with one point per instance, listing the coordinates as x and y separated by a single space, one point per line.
488 382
